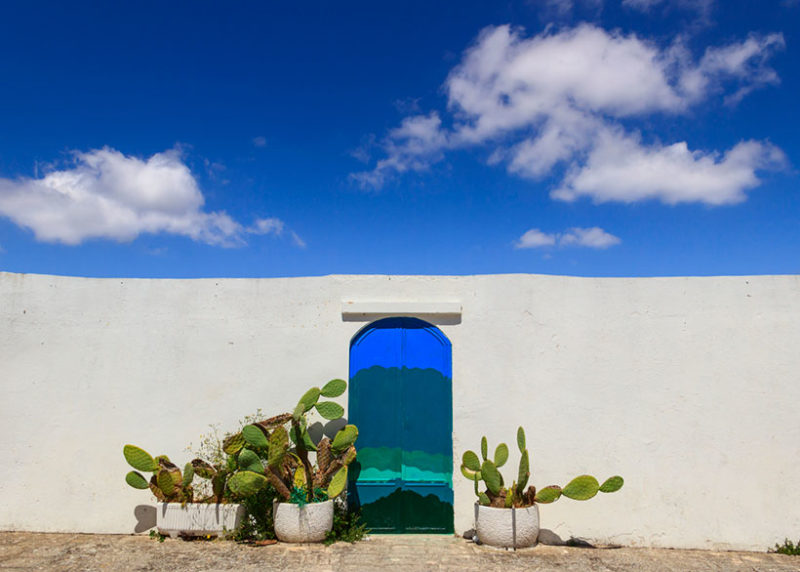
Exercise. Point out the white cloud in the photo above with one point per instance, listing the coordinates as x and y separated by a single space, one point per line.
535 238
276 227
620 168
594 237
260 141
411 147
267 226
105 194
551 100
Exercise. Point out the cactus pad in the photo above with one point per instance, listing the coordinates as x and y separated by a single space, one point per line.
581 488
338 482
501 455
548 494
254 436
334 388
346 436
330 410
233 443
249 461
612 484
299 480
247 483
278 443
188 474
524 470
469 473
471 461
139 459
492 478
136 480
484 448
483 499
521 439
165 482
309 399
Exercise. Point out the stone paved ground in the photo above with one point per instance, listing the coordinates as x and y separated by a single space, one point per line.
68 552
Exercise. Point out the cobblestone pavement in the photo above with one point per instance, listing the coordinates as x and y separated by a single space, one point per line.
68 552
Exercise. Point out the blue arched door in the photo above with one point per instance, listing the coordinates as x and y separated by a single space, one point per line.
401 399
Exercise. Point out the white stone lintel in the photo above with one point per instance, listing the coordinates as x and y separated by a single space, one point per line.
370 309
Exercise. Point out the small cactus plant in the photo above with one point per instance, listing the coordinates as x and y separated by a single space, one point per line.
277 451
168 483
497 494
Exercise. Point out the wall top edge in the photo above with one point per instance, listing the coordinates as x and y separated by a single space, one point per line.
22 275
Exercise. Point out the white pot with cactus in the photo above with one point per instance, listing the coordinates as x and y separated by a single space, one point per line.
304 511
181 511
507 516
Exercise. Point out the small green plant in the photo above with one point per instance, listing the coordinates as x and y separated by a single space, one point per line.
498 495
347 526
155 535
788 547
276 452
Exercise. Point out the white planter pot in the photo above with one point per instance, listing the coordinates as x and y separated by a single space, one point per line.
506 527
308 523
197 519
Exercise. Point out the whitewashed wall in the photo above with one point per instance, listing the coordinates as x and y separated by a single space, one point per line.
688 387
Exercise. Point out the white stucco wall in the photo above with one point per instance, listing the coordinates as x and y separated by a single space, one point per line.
688 387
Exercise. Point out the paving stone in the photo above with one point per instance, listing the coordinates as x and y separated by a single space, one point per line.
22 551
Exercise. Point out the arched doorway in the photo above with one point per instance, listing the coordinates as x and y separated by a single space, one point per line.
401 399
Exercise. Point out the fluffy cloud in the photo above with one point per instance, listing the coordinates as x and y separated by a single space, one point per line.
620 168
274 226
413 146
594 237
106 194
554 99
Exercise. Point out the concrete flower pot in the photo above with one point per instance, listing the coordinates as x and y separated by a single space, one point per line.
307 523
197 519
507 527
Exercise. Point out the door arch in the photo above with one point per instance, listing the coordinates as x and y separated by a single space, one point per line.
401 399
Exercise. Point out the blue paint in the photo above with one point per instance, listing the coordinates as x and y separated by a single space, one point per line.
401 400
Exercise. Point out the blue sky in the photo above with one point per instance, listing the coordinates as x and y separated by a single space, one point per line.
580 137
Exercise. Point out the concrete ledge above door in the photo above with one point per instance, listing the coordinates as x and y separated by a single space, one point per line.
435 312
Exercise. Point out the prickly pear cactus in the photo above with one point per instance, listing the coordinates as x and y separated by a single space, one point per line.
583 487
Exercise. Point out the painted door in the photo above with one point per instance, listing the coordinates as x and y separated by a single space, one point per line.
401 399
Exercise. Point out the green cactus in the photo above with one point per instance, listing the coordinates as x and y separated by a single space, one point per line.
329 410
284 443
344 438
492 478
168 483
338 482
247 483
501 455
334 388
583 487
255 437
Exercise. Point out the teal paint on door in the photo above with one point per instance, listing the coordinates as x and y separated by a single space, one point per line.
400 398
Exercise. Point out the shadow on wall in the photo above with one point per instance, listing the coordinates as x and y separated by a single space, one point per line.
145 517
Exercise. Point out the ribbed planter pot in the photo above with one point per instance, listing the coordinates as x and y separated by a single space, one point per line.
197 519
307 523
507 527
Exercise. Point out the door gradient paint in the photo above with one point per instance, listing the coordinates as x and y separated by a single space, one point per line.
401 400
